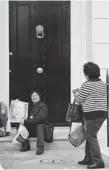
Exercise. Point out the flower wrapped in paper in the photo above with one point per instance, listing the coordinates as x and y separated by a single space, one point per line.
18 110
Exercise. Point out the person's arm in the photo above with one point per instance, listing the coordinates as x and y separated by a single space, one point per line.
84 91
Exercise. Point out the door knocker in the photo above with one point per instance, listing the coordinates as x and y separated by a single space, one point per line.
39 31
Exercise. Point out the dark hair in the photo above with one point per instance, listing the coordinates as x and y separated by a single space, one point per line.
35 91
30 101
91 70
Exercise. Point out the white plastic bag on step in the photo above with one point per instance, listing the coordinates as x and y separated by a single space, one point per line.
21 136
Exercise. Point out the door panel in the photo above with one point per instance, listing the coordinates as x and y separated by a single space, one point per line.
52 53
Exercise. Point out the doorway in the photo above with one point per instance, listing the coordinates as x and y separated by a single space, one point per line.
39 37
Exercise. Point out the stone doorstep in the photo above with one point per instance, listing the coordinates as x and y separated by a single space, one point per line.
59 142
60 133
57 137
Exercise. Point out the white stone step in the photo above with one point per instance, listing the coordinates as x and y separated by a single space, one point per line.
60 133
55 145
59 142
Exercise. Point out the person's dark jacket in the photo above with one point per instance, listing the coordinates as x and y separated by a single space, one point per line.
39 111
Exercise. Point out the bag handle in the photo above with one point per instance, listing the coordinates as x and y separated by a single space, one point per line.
71 122
74 101
70 128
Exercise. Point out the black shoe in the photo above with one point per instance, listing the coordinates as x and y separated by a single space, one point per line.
40 151
85 162
94 166
25 146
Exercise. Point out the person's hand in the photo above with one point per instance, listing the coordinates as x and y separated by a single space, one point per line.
75 92
22 122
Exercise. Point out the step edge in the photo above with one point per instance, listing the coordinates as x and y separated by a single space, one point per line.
33 139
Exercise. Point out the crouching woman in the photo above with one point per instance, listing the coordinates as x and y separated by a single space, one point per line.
37 116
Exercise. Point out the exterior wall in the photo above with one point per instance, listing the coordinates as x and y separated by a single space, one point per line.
100 47
4 53
78 43
100 33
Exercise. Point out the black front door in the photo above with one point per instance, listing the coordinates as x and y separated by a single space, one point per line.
40 37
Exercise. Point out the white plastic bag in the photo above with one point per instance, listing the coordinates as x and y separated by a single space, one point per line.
22 133
75 125
77 134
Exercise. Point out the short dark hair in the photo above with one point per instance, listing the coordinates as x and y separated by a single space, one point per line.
35 91
31 92
91 70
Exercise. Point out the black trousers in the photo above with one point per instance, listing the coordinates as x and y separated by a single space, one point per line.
92 148
36 131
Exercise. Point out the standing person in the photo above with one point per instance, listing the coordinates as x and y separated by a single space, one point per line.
93 98
37 116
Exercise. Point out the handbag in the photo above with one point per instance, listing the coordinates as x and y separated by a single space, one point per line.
74 113
69 113
48 132
78 136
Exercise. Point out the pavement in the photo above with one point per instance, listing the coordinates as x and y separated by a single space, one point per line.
59 154
53 158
